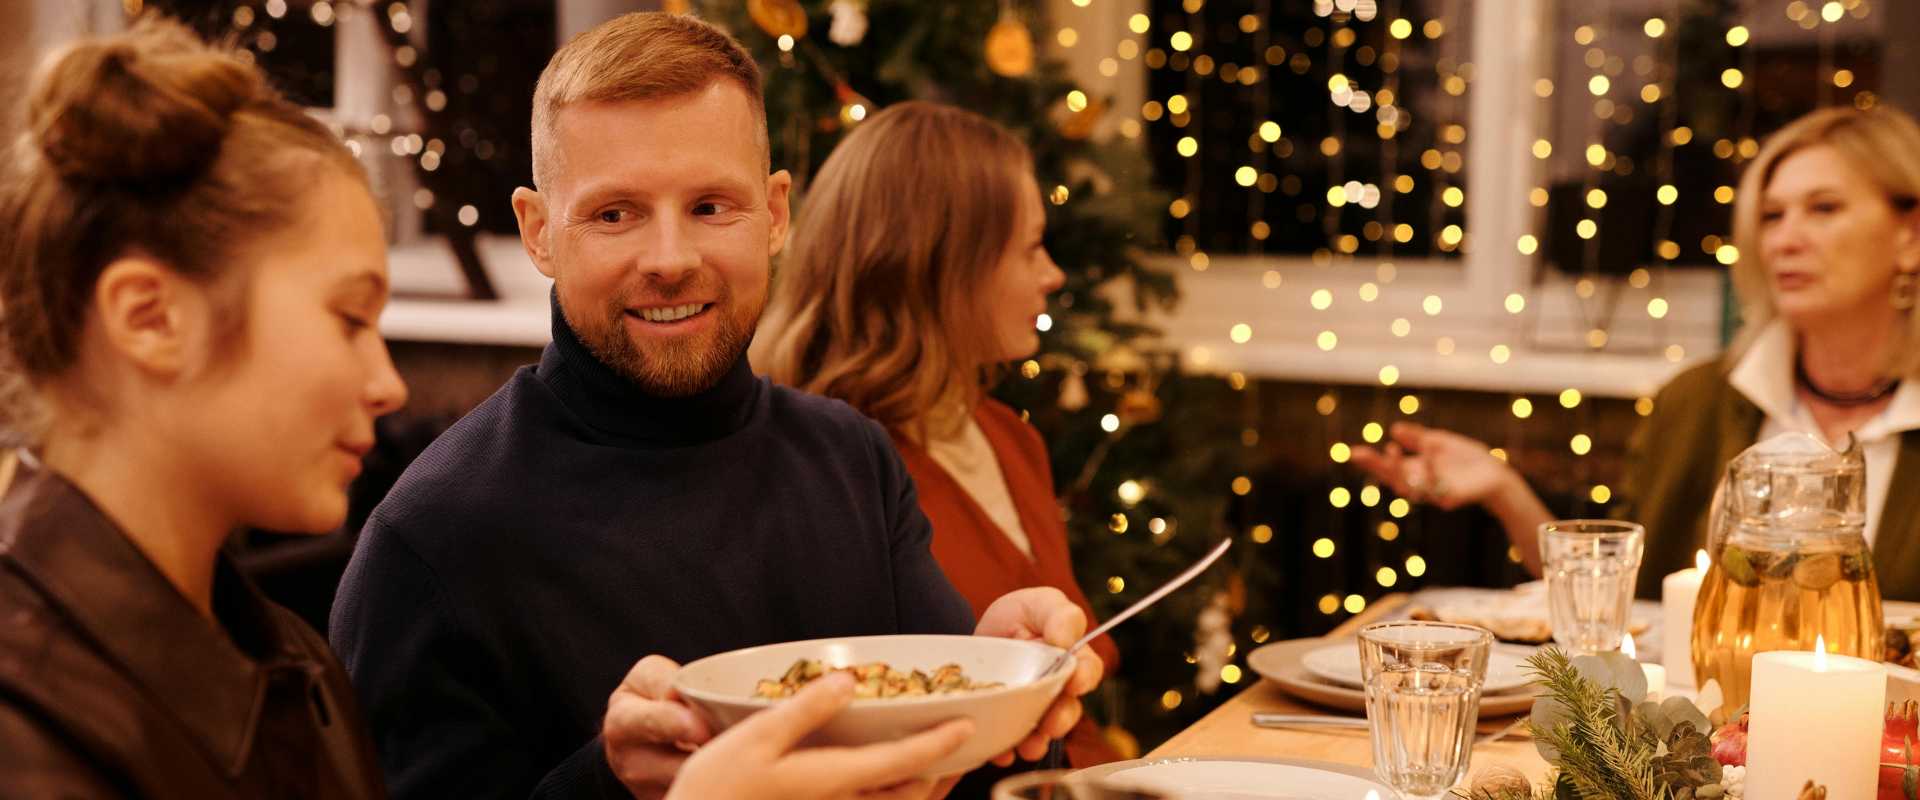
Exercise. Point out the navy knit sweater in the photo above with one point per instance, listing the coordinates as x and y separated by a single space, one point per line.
572 524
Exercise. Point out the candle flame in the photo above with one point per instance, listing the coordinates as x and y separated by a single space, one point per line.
1626 647
1700 560
1820 653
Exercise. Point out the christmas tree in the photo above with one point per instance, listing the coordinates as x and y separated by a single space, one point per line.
1144 460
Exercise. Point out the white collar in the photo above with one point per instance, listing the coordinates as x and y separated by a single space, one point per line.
1765 376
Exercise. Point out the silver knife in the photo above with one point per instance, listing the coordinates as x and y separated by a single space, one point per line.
1268 719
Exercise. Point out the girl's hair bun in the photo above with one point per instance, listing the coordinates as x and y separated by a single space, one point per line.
151 106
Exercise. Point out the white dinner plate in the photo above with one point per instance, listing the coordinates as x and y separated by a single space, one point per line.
1340 663
1241 779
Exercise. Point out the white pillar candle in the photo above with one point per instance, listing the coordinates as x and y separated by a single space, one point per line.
1677 595
1814 716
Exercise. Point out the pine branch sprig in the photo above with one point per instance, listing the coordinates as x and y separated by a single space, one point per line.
1597 754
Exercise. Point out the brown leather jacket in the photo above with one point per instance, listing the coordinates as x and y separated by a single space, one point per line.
113 685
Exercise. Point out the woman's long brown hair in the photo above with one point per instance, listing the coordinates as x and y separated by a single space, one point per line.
878 302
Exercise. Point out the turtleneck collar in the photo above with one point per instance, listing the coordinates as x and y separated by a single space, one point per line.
613 405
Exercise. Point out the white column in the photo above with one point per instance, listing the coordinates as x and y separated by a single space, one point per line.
1509 51
362 67
364 77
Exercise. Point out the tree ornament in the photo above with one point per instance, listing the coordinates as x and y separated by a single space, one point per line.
1079 125
1212 638
1010 47
854 106
779 17
849 25
677 6
1138 407
1122 741
1073 392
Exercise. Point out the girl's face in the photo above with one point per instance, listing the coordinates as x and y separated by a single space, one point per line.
1017 288
274 423
1830 239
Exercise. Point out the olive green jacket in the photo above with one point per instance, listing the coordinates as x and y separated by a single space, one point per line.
1699 423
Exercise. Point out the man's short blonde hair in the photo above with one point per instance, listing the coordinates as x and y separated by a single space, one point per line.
640 56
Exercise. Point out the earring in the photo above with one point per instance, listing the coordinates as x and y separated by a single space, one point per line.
1906 289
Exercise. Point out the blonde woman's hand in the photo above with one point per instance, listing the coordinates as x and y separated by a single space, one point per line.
760 758
1436 466
1045 613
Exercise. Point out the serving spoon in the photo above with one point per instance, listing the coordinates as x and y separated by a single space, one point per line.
1178 581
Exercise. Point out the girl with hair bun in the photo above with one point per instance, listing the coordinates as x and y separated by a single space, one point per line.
190 279
190 283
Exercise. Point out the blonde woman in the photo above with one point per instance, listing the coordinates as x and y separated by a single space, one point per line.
1828 225
917 267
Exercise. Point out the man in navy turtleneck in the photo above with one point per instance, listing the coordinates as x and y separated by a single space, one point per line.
516 607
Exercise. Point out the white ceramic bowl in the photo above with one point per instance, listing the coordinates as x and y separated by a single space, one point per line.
722 686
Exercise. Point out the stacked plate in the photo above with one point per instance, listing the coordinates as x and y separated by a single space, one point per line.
1327 672
1239 779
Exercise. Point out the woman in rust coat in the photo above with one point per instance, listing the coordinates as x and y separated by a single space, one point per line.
916 271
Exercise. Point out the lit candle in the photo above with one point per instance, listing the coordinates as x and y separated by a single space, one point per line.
1677 595
1656 675
1814 716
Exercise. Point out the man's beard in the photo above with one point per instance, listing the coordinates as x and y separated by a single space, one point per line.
681 368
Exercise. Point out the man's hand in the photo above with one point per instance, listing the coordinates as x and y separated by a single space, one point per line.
1046 614
760 758
649 729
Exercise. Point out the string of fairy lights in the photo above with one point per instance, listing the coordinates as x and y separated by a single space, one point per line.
1641 81
1400 40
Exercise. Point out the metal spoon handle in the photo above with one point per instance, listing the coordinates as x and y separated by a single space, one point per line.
1179 581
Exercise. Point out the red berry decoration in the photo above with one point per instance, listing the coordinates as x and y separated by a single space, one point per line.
1730 743
1899 771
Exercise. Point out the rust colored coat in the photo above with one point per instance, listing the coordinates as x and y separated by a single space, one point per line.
979 559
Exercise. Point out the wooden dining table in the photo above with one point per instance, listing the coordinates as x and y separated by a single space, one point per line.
1229 729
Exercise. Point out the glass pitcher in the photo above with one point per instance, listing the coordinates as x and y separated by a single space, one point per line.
1790 562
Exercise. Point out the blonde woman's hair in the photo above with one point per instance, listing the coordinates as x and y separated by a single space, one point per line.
878 300
1884 145
645 55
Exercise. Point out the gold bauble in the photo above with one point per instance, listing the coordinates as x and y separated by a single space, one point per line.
1122 741
779 17
1010 48
1073 393
1138 407
1236 594
1079 125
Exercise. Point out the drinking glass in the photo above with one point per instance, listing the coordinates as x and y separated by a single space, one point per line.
1423 683
1590 566
1061 784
